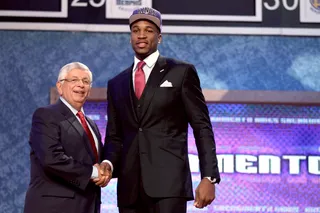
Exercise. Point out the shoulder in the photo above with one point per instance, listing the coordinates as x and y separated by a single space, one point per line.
172 62
179 67
46 112
121 76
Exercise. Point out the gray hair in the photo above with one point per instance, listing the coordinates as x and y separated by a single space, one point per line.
73 65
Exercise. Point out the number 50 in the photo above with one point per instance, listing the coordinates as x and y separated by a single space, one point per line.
285 4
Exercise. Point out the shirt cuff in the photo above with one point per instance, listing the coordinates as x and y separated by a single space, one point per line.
212 180
109 162
95 173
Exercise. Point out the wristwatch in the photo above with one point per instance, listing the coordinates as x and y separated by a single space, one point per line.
212 180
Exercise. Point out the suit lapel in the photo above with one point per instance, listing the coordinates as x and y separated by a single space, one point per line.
155 78
71 118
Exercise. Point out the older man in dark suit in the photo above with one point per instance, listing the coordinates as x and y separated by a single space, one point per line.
65 151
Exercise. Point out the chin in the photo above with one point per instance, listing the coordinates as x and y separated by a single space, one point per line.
81 100
142 50
143 53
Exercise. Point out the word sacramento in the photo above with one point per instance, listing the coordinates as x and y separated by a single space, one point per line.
268 164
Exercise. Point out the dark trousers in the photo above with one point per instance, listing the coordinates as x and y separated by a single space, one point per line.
146 204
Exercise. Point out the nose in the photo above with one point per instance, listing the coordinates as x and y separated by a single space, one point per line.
80 83
141 34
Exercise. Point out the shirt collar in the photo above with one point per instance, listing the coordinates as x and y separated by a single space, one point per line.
150 60
73 110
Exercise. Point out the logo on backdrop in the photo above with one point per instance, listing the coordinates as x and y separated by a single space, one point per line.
122 9
315 6
310 11
129 2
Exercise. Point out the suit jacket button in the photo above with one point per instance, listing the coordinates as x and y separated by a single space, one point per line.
140 129
139 106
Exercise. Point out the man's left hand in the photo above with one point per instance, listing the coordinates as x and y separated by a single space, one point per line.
205 194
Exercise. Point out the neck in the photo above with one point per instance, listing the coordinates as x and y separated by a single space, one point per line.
141 57
77 106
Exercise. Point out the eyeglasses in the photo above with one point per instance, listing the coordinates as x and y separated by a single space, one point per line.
74 81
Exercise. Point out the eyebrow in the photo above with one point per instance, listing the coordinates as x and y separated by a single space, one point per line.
78 77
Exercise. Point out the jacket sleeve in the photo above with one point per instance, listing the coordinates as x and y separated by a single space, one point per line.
113 140
198 117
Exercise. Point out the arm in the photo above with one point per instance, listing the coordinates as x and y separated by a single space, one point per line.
113 142
45 141
199 120
198 117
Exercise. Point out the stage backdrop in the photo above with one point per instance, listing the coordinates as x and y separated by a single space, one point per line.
258 17
30 62
268 158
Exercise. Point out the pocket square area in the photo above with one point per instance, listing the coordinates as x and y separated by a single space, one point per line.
166 84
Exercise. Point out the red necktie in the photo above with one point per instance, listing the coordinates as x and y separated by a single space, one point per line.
89 134
139 80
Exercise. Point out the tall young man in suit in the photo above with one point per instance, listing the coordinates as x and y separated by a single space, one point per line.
65 150
149 107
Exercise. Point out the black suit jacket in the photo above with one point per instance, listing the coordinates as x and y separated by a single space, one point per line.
61 163
159 135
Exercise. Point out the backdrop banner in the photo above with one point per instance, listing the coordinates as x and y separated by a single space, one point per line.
256 17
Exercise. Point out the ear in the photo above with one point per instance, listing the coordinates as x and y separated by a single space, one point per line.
159 38
89 92
59 88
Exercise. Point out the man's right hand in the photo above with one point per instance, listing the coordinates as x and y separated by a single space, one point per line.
105 174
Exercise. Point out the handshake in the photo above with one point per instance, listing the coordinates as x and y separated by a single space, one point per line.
104 174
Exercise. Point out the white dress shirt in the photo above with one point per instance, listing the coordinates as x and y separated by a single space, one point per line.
150 62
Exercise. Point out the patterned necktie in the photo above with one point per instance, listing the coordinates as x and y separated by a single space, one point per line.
89 134
139 80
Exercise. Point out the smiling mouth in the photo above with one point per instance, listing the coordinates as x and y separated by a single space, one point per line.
79 92
142 44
